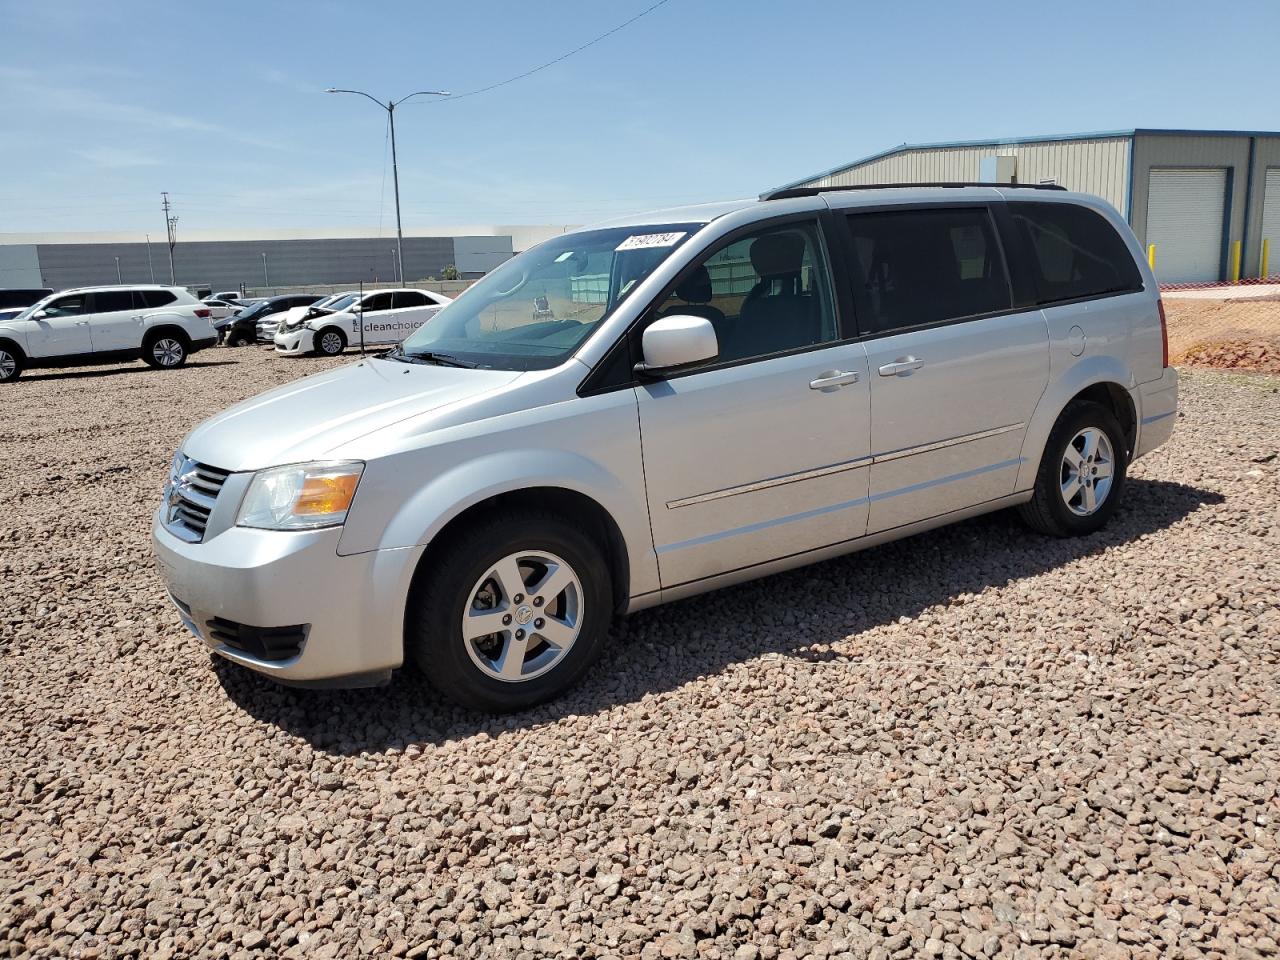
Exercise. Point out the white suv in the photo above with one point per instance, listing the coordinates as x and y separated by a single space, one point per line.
382 317
660 406
87 325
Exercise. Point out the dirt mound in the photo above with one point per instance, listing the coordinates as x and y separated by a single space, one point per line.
1239 353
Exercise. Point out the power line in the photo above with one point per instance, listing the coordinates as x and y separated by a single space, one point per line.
551 63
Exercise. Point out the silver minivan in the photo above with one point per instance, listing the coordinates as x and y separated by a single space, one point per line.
663 405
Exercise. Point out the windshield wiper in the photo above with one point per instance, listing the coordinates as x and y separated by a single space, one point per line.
440 359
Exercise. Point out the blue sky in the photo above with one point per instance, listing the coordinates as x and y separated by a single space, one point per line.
221 104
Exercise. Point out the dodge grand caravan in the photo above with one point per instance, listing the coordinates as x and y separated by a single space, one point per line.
661 406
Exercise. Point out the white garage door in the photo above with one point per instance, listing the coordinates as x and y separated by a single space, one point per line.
1271 219
1185 208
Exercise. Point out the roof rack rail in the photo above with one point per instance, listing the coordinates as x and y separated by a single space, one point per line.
788 192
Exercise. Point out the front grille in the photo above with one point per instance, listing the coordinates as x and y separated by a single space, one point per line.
264 643
190 497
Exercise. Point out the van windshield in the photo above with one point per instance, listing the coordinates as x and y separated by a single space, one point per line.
533 311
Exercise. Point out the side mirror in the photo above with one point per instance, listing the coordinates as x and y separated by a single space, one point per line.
677 341
40 315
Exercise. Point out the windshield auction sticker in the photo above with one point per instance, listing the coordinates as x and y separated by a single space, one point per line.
646 241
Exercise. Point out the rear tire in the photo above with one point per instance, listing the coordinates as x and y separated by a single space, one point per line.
549 580
330 342
11 363
165 351
1082 473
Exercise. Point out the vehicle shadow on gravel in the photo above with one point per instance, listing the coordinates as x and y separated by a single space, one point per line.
664 648
77 374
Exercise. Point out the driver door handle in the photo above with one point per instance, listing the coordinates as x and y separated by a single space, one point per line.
834 379
901 367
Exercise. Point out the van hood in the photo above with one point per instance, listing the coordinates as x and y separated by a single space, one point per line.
312 417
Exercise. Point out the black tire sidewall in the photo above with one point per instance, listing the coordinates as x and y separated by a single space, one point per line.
1068 426
319 338
433 631
18 364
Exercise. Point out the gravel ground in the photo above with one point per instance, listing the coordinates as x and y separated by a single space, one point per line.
976 742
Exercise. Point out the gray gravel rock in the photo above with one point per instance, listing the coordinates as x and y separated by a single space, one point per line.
974 743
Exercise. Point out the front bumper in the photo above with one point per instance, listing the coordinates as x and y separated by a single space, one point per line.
1157 403
294 343
351 608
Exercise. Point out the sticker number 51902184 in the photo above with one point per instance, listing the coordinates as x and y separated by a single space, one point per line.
645 241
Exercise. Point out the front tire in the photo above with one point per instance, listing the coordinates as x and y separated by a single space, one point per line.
240 340
11 363
330 342
1082 473
511 612
167 351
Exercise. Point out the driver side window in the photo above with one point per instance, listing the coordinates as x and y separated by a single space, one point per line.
68 306
379 301
765 293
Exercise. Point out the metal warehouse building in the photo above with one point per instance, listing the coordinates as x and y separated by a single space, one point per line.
1192 194
269 259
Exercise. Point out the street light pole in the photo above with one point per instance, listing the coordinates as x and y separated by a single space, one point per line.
119 279
390 107
265 281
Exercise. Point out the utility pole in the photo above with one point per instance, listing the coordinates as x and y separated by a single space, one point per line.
265 281
119 279
150 265
171 225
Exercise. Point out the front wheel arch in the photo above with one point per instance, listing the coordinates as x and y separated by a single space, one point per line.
555 501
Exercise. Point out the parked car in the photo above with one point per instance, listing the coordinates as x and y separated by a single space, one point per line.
268 325
381 317
220 309
722 392
10 312
241 330
22 297
231 296
161 325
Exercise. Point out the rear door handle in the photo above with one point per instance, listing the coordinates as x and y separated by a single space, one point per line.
901 367
833 379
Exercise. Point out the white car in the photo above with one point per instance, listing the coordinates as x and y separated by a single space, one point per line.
220 309
87 325
268 325
384 316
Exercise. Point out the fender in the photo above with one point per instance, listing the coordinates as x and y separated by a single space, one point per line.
421 517
1083 374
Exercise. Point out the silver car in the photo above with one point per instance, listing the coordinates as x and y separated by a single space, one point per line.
664 405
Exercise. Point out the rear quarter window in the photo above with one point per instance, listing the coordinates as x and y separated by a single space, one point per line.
156 298
1072 252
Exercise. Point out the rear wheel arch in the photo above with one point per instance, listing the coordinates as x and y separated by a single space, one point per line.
165 330
1116 399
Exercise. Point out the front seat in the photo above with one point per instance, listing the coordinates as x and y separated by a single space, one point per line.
696 292
776 314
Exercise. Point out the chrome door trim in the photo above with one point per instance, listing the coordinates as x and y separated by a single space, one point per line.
771 482
840 467
943 444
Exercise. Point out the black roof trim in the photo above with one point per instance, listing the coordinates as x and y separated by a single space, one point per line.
788 192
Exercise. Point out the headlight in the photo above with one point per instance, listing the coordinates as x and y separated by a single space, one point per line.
301 496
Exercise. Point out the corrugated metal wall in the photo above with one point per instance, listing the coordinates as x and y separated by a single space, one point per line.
1099 166
227 264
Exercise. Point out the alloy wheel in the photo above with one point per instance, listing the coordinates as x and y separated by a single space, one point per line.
1088 468
167 351
522 616
8 365
331 343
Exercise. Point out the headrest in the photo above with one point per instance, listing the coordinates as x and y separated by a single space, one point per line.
696 287
777 255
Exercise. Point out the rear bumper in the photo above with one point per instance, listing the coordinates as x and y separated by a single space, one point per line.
323 617
1157 404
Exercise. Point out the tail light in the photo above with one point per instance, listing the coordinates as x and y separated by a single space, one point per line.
204 314
1164 334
